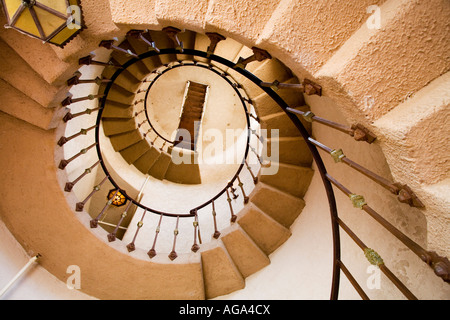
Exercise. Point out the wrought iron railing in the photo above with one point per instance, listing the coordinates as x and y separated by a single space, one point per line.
440 265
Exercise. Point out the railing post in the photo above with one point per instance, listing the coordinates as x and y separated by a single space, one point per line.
69 185
214 38
173 255
172 33
152 252
63 163
258 55
109 44
80 205
195 247
216 234
131 246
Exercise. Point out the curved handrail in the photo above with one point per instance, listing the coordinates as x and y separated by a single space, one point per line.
97 137
283 105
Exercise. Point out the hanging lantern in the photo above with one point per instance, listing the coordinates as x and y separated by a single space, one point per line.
53 21
116 197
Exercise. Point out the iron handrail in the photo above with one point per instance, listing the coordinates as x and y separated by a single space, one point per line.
97 134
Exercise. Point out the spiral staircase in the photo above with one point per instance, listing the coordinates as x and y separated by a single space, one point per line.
209 249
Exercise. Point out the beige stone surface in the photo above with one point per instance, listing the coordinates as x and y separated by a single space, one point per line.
139 14
241 20
188 14
307 33
49 227
289 178
388 65
377 69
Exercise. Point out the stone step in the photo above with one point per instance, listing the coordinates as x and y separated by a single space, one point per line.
120 95
126 79
220 274
265 105
262 229
291 150
281 206
117 126
135 151
159 168
116 111
283 123
139 47
146 161
246 255
123 140
291 179
183 173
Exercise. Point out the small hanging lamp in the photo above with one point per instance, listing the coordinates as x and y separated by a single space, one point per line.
116 197
53 21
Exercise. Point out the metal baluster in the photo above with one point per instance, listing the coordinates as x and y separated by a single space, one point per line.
94 222
139 34
214 38
64 140
152 252
258 55
69 185
172 33
70 116
112 235
195 247
63 163
131 246
255 179
69 100
80 205
173 255
216 234
241 185
109 44
233 216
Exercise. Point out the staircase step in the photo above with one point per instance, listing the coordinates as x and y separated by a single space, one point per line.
227 49
246 255
264 231
120 95
146 161
282 207
124 140
126 80
135 151
292 150
117 126
268 70
183 173
162 41
265 105
291 179
116 111
138 69
188 39
159 168
283 123
139 47
220 275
